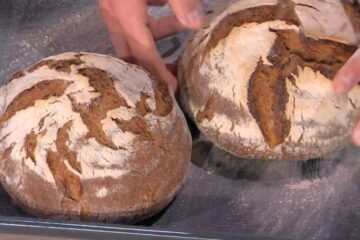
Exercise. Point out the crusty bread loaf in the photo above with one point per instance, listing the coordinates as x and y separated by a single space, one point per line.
257 79
87 136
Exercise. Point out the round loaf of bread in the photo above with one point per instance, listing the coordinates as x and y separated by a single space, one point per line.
257 79
88 136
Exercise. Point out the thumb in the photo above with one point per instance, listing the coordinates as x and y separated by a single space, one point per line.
189 13
349 75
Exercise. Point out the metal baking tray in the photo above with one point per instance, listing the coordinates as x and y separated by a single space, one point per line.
224 197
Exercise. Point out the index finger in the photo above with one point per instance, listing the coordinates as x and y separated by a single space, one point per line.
143 48
145 52
116 32
349 75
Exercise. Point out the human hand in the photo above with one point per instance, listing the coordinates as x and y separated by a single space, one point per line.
133 31
346 79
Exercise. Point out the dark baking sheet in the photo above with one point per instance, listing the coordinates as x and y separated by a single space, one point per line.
224 196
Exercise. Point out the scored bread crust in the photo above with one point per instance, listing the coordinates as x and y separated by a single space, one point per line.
87 136
257 79
352 9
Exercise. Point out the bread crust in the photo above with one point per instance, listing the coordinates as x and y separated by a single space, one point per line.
90 137
257 79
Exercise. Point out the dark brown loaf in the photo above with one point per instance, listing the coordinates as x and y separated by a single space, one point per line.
87 136
257 79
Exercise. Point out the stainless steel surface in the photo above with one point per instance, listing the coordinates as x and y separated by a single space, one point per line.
8 236
318 199
35 228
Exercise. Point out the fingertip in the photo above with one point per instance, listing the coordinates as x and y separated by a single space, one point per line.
190 13
170 80
346 78
174 87
195 19
165 75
